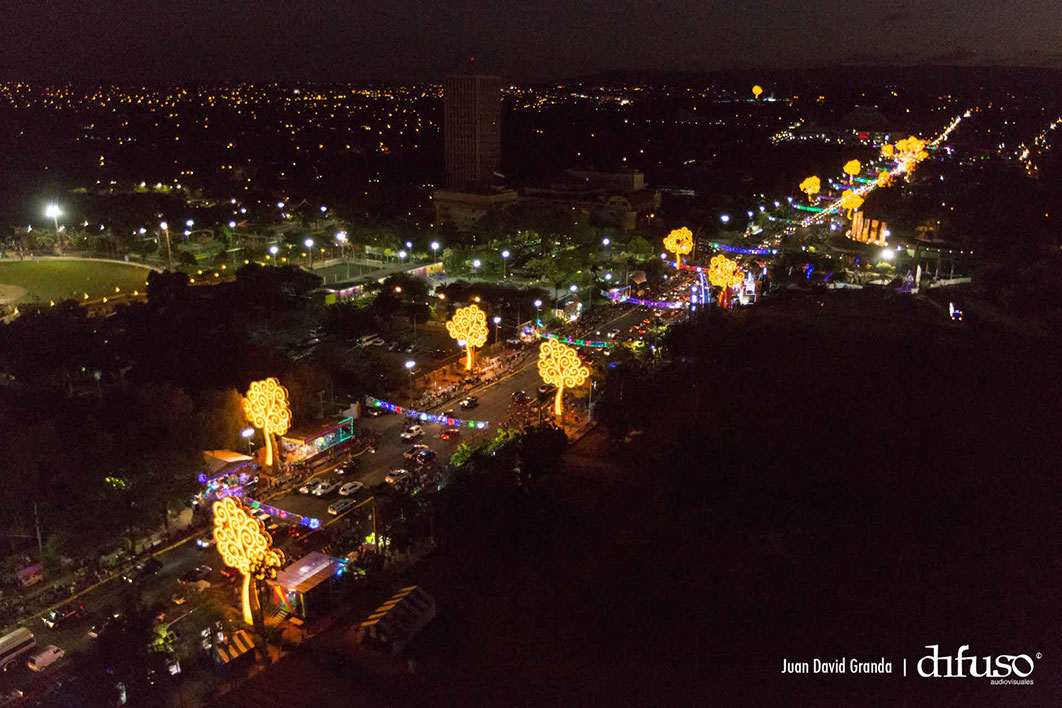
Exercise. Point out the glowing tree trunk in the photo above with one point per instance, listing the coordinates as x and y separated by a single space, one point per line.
557 401
248 616
468 356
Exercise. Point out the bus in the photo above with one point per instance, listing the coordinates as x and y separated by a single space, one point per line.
15 645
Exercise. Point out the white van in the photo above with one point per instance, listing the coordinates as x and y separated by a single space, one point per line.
15 645
46 658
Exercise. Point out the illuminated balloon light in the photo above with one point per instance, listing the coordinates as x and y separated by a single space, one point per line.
245 546
756 91
679 242
851 201
470 324
724 273
267 407
811 187
560 365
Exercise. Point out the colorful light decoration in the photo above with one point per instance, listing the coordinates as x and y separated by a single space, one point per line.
724 273
679 242
756 91
469 324
851 201
560 365
246 546
659 304
284 515
743 251
811 186
426 417
852 168
266 406
602 344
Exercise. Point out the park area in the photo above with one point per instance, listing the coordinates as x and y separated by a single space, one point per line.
45 280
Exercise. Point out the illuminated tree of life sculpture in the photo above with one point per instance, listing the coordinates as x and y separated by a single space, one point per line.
560 365
266 406
245 546
469 324
679 242
756 91
811 187
884 178
887 151
852 168
851 201
724 272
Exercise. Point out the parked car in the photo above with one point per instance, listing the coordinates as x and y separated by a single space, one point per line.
62 616
424 457
200 572
206 541
520 398
142 570
340 506
350 489
450 433
412 432
261 515
412 452
396 476
325 488
50 655
469 402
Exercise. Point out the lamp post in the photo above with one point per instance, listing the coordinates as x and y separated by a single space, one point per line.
247 433
341 238
434 249
497 321
166 232
402 255
274 249
538 315
309 250
53 212
505 258
476 264
409 369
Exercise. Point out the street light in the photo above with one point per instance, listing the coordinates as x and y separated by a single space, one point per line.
476 264
280 205
232 224
309 249
573 287
605 241
190 223
53 212
402 255
497 321
888 254
323 208
505 257
538 306
274 249
409 244
247 433
169 252
725 218
434 248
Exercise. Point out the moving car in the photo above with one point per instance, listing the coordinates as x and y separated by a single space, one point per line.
547 389
396 476
103 623
424 457
46 658
63 616
450 433
412 452
340 506
349 466
206 541
310 487
412 432
350 489
469 402
142 570
520 398
325 488
200 572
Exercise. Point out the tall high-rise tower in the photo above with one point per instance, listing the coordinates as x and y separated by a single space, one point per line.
472 129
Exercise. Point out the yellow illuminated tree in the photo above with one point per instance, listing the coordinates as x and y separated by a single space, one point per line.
851 201
560 365
852 168
911 150
810 187
679 242
723 272
884 178
247 547
886 150
469 324
756 91
267 407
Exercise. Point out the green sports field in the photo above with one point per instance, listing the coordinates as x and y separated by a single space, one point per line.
40 281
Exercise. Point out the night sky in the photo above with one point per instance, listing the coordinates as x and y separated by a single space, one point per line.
423 39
